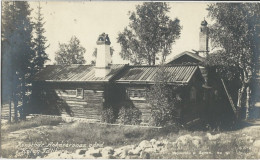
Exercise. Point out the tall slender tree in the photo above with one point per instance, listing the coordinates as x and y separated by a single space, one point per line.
40 42
17 49
8 28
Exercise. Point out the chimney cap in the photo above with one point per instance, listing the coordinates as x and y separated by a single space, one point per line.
103 39
204 22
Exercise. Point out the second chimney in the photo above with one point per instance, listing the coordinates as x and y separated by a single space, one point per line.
103 59
204 39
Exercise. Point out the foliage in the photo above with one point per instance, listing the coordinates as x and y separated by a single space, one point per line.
163 100
150 32
17 52
7 57
94 54
72 53
235 35
39 42
129 115
108 115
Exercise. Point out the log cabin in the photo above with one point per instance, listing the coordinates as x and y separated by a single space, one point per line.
83 91
136 81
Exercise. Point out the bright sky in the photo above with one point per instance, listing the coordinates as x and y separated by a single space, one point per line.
87 20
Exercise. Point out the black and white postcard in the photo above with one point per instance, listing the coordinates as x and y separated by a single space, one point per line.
130 80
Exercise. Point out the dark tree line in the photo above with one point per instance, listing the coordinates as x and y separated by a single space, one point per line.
22 54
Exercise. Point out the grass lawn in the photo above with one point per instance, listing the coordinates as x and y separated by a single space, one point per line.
40 135
42 130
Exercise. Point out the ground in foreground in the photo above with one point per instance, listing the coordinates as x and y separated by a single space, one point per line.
43 137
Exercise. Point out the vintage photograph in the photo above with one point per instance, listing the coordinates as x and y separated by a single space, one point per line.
130 80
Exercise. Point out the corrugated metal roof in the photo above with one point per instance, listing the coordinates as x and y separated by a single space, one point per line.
146 74
74 73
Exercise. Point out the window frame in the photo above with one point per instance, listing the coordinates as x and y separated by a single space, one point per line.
81 96
136 93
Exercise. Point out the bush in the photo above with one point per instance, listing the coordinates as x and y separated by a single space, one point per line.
108 115
162 97
129 115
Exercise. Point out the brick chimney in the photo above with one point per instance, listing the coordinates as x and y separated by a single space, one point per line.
204 39
103 59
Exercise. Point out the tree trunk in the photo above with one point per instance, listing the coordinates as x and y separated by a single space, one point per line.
153 59
10 110
149 59
23 98
15 96
239 101
163 59
248 99
15 107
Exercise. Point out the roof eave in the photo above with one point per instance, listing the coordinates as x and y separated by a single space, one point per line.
149 82
61 81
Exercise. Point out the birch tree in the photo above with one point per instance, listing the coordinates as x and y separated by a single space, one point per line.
234 33
71 53
150 32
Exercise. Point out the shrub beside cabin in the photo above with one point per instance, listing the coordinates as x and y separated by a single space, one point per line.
84 91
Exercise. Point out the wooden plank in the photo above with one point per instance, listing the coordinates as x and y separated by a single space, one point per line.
229 97
86 115
73 99
75 102
93 94
86 110
80 101
142 107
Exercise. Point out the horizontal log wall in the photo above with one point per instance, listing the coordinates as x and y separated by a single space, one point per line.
142 105
145 108
89 107
60 99
5 111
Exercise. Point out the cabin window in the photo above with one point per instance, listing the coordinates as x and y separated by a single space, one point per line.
193 94
136 94
79 93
